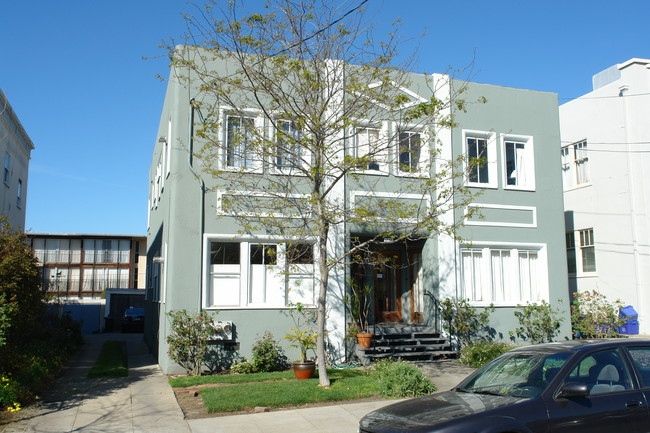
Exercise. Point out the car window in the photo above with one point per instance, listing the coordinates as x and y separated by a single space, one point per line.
603 372
641 358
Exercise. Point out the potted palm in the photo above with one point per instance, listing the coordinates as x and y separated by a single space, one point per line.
303 337
358 303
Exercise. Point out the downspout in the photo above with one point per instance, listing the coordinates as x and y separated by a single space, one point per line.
190 161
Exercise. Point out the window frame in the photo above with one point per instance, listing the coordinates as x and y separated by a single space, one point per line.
380 155
528 158
256 164
303 160
575 164
491 158
486 278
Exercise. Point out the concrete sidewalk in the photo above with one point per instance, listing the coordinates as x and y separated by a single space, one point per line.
144 402
141 403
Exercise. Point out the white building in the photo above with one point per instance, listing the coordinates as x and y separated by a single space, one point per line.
15 150
605 155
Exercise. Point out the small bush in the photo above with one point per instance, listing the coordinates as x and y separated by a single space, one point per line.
463 321
268 355
593 316
402 379
480 353
242 367
188 339
539 323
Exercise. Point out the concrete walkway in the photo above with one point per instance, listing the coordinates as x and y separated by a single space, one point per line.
141 403
145 403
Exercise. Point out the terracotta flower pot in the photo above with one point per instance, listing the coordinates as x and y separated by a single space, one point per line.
364 340
304 370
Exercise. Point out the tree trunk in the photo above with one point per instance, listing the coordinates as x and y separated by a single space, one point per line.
322 311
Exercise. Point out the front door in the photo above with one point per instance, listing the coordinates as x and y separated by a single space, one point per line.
388 291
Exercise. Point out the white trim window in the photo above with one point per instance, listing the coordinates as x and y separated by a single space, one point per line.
588 250
367 147
259 274
481 146
581 249
575 164
409 152
503 275
288 155
240 136
518 162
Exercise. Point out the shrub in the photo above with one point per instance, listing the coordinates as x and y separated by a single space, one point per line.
401 379
480 353
462 321
268 355
540 323
188 340
242 367
593 316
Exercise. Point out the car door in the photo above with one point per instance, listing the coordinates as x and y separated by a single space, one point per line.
612 403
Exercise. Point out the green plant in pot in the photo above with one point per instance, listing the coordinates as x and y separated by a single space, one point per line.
303 337
358 303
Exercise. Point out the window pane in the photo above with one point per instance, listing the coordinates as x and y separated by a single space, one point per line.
409 151
300 254
240 138
641 358
224 253
288 149
477 157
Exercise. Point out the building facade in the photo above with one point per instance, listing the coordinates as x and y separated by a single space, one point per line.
199 258
86 265
15 151
605 136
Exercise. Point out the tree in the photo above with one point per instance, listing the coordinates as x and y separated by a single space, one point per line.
21 297
310 69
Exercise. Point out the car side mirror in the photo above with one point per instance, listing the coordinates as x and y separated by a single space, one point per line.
573 390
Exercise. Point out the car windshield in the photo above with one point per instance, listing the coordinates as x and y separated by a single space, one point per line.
518 375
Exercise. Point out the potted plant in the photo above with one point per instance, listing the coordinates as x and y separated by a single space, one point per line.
303 337
358 303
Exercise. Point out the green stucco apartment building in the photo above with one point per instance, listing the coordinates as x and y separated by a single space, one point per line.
512 254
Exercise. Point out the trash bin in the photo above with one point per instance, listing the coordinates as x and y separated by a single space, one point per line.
631 325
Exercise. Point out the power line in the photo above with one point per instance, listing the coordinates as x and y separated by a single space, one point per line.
582 98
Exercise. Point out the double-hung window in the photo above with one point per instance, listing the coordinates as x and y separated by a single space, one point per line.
366 148
240 136
477 157
409 151
289 148
588 250
519 163
581 162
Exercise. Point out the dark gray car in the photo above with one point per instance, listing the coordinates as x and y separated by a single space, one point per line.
585 386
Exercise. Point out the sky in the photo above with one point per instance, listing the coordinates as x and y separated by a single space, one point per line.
81 76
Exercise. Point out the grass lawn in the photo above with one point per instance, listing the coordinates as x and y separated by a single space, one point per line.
246 391
112 361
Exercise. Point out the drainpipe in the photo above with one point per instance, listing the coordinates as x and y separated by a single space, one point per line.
190 161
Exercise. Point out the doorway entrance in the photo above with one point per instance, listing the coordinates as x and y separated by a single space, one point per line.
388 287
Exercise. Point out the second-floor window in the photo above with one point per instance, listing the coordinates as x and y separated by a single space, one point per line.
519 163
477 152
289 149
239 141
575 164
366 142
409 152
7 167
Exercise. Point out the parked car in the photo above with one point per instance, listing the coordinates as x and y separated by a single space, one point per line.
133 320
584 386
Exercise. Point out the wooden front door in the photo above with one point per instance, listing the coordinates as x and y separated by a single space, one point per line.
388 291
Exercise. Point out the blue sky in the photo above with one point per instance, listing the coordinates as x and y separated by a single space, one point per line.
74 72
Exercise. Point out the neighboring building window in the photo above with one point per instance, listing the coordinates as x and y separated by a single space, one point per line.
289 149
240 137
7 167
409 152
366 146
571 252
519 163
19 198
502 275
588 250
575 164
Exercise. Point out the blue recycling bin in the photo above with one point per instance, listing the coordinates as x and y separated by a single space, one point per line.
631 325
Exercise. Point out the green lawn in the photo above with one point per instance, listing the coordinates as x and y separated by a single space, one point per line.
246 391
112 361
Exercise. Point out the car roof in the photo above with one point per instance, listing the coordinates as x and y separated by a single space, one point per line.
579 345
